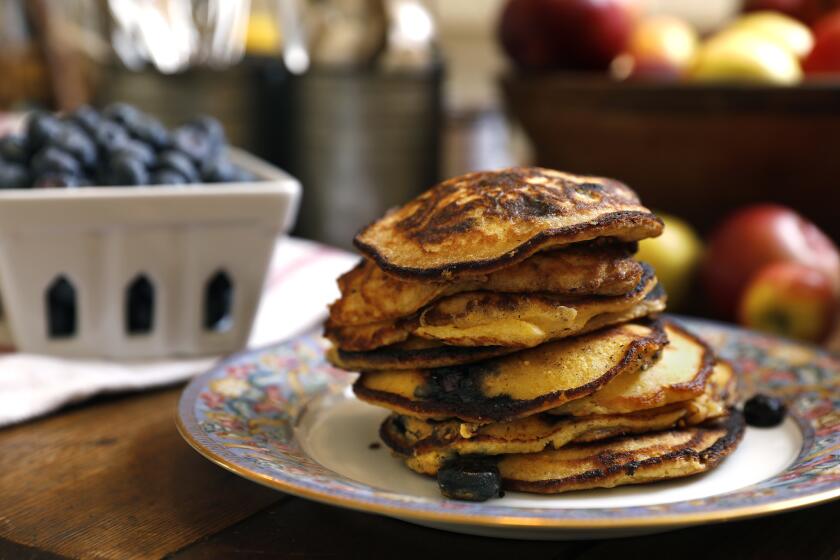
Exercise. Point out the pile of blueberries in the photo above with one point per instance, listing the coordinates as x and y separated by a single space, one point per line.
119 146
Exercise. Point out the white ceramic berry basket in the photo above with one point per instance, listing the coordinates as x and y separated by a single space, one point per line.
140 272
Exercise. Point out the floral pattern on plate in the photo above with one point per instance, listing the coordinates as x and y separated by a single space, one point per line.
242 414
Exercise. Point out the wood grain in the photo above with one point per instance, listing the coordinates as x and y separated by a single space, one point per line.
14 551
300 529
810 533
114 480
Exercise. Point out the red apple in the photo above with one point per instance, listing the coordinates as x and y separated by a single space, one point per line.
824 57
790 299
569 34
754 237
626 67
590 33
524 34
660 48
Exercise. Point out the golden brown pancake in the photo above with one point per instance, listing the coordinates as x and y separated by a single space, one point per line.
526 320
358 338
719 394
370 295
680 375
419 353
519 384
527 435
499 319
634 459
427 445
414 353
484 221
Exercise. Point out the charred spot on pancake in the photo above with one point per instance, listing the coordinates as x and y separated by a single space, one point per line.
483 221
734 424
591 187
663 455
399 423
457 392
370 295
553 419
648 273
501 195
461 385
393 432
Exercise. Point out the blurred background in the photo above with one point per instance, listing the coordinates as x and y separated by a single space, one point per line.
724 115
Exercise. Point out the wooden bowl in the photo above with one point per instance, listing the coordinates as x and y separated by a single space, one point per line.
698 151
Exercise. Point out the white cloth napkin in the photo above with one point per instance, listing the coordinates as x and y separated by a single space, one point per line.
300 284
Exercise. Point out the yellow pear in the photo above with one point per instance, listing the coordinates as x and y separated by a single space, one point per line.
745 55
785 31
675 255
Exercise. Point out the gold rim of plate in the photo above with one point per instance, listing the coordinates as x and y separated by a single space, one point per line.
788 504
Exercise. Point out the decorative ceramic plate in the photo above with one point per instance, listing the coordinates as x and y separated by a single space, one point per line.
283 417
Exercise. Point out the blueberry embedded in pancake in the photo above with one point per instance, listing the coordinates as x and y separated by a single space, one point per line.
519 384
634 459
426 445
498 316
484 221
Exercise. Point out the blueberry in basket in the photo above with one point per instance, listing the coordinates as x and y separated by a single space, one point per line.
86 117
41 129
108 134
52 159
196 142
168 177
13 176
124 169
175 161
136 149
119 146
14 149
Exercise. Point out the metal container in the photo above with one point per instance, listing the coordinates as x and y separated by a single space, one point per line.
361 142
225 94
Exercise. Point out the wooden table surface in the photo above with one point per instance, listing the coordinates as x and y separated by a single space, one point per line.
113 479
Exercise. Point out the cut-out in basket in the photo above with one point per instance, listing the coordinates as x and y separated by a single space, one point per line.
140 272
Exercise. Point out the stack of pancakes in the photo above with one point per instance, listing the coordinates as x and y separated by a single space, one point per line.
502 318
